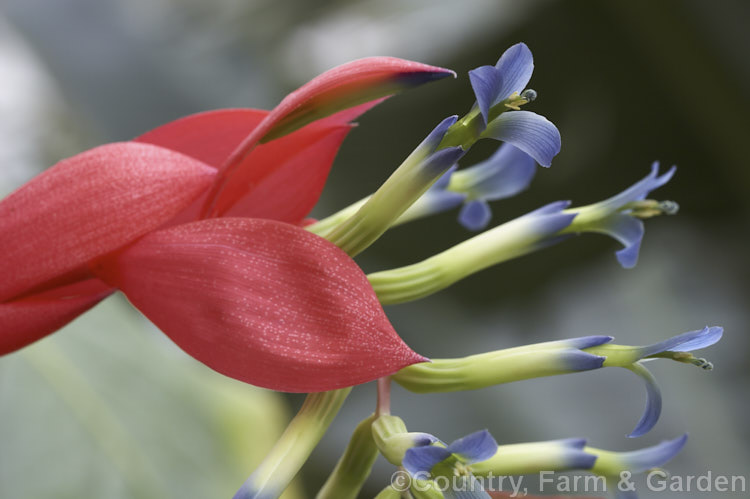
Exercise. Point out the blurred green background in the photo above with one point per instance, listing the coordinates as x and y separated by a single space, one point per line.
110 408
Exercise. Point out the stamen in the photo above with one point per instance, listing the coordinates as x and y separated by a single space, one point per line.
688 358
648 208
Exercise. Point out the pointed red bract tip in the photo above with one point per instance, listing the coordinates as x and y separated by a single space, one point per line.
263 302
357 85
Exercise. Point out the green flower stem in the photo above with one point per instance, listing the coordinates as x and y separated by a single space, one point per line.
326 226
355 465
483 370
385 206
296 443
465 132
507 241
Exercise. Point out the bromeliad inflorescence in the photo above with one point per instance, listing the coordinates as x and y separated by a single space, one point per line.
202 224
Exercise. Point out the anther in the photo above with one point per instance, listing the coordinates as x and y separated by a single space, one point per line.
669 207
529 94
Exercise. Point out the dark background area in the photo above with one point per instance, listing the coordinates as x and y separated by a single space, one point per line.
626 82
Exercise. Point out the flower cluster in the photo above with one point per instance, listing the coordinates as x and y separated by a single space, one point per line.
202 224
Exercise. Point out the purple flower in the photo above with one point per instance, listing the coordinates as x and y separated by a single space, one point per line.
478 446
620 216
675 348
500 88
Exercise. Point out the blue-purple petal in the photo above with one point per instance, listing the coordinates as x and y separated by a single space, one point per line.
656 456
421 439
436 201
628 231
514 68
423 459
478 446
572 443
475 215
548 209
443 181
505 174
441 160
588 341
533 134
575 360
433 139
550 225
573 455
575 459
685 342
640 189
653 402
485 81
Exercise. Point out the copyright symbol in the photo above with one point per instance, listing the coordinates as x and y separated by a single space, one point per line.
401 480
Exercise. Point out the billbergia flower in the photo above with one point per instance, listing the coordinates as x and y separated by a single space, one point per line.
499 89
478 455
472 448
250 294
619 217
560 357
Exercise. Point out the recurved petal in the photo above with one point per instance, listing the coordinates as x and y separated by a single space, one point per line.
628 231
655 456
685 342
263 302
475 215
29 319
653 402
89 205
533 134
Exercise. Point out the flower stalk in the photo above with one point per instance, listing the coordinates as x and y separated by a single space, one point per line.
294 446
355 464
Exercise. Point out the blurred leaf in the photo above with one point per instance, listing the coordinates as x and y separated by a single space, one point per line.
110 408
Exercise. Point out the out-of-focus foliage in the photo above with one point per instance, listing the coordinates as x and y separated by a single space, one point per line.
107 409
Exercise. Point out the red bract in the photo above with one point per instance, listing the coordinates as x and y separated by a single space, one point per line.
207 283
258 299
